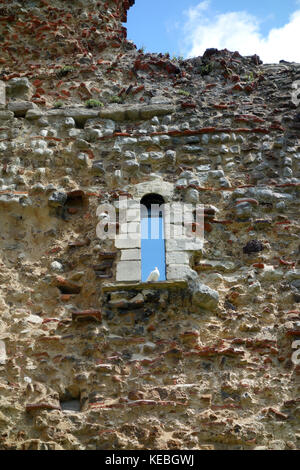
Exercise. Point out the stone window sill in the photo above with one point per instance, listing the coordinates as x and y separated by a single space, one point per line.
121 286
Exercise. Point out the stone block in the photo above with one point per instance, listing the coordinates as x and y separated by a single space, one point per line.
20 108
80 115
177 257
179 271
130 228
136 111
132 113
205 297
2 353
128 271
114 112
174 231
20 87
131 254
2 95
186 244
174 213
148 112
127 243
33 114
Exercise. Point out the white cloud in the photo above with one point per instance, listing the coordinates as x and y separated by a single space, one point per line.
240 31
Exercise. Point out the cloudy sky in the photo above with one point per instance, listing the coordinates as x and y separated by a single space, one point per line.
269 28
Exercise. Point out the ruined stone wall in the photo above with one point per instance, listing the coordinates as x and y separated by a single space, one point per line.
203 360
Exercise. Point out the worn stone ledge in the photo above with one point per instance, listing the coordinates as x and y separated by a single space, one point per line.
135 112
176 284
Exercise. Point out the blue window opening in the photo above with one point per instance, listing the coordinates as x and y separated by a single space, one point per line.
153 252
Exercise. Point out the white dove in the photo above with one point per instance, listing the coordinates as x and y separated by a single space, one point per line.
153 276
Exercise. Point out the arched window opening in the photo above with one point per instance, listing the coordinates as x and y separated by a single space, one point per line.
153 253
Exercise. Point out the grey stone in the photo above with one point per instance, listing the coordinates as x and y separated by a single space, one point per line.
35 319
235 149
219 265
129 155
80 115
82 144
205 139
70 406
6 115
135 112
187 174
184 245
296 283
224 149
171 156
182 182
14 198
131 254
127 243
132 113
128 271
145 140
287 172
114 112
244 209
20 108
57 199
291 275
225 138
224 183
205 168
131 165
193 139
128 141
93 135
19 88
250 158
69 122
262 194
56 266
156 156
177 257
192 196
159 99
205 297
155 121
83 159
216 174
269 273
167 120
179 271
192 148
97 167
2 95
147 112
3 356
288 161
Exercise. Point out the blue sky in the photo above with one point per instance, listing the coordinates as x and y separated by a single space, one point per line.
153 247
269 28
